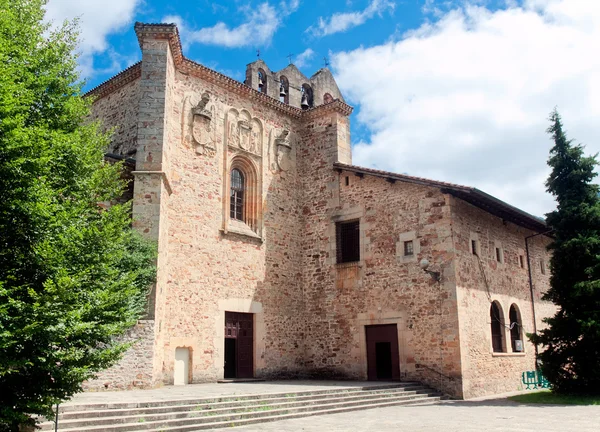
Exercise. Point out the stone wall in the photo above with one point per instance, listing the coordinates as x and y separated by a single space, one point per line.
215 265
384 287
135 369
310 312
484 371
119 111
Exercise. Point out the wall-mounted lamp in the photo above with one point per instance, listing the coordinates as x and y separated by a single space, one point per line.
424 264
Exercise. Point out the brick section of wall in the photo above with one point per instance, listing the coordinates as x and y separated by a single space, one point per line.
485 372
135 369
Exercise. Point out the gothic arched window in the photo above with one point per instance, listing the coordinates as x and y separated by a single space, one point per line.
236 200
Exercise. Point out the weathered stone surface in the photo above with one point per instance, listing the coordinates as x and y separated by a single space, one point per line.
190 126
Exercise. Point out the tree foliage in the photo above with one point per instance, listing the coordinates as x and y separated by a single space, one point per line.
72 274
571 358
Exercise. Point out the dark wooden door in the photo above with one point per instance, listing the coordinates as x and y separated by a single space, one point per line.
383 357
240 327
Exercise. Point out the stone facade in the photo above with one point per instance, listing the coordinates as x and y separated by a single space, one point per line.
275 256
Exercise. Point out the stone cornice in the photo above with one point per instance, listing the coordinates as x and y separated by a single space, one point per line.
184 65
121 79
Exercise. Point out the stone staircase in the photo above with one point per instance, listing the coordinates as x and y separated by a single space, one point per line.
230 411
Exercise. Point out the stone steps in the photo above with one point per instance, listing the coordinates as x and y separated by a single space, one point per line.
211 413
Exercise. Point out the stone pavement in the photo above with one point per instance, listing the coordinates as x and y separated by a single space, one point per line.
489 415
484 414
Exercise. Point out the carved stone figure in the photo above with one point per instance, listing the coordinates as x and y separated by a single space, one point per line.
244 130
281 150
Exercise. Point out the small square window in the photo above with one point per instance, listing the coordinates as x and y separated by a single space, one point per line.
347 241
521 261
408 248
474 247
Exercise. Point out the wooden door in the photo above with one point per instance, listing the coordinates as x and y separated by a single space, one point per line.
383 356
239 327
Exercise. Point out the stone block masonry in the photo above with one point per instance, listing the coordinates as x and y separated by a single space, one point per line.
275 256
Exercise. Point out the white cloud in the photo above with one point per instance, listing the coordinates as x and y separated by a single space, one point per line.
340 22
258 29
303 59
97 19
466 99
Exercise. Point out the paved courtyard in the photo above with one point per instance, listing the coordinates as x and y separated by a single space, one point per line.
451 416
485 414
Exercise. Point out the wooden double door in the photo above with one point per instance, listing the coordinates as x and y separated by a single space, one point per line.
383 357
239 345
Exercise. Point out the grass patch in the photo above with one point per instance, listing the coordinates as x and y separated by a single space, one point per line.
547 397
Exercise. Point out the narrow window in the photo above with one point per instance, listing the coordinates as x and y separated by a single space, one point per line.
262 81
408 248
236 199
474 247
347 181
497 327
542 266
498 255
307 97
347 241
516 341
521 261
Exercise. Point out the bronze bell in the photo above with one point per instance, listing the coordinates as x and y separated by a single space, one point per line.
260 82
282 92
304 102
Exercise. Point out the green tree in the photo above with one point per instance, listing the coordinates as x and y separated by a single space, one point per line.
73 275
571 358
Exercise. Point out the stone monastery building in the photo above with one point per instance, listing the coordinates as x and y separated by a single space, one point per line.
278 258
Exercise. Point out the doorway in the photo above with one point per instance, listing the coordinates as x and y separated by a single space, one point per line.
181 373
239 345
382 352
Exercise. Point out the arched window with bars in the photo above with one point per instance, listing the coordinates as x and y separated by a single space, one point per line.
236 198
516 332
497 327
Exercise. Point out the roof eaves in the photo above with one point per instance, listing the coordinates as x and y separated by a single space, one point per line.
471 195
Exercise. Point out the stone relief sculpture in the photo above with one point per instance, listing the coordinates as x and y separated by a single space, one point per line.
198 123
281 149
244 132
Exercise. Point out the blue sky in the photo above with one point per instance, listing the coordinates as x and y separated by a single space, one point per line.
454 90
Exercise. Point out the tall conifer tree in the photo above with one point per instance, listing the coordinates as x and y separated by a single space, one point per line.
72 274
571 343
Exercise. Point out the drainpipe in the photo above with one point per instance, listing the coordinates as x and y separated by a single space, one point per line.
531 287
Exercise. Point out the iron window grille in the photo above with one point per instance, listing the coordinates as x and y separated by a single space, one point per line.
408 248
236 199
347 241
497 327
